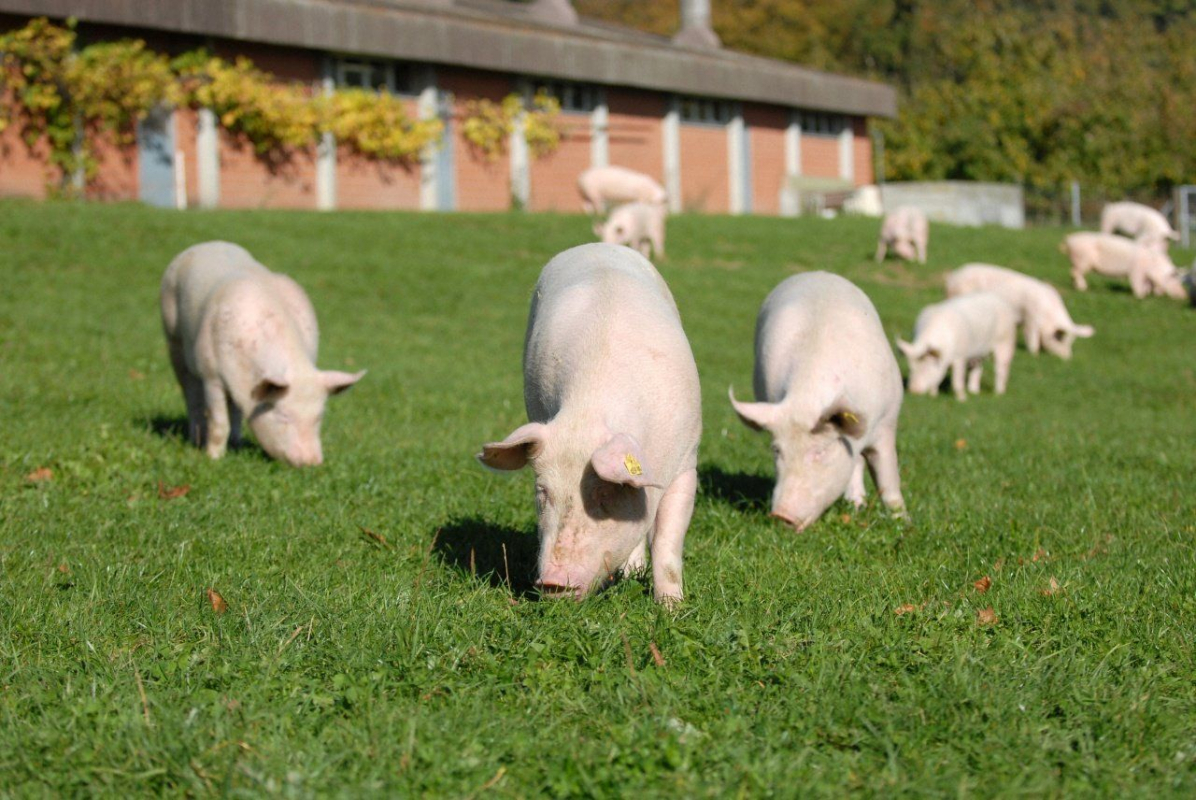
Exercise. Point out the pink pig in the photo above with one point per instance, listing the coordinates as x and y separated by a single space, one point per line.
906 230
1149 269
612 396
639 226
243 344
1139 222
602 187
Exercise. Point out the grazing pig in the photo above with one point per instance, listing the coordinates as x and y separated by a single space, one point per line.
639 226
612 396
1041 313
906 230
1138 222
1149 269
601 187
958 334
243 343
828 390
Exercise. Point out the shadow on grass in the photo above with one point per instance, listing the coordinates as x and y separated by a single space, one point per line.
492 553
742 491
174 428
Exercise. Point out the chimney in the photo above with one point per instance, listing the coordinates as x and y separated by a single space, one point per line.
695 25
560 12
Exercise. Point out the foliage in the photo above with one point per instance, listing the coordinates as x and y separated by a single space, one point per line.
487 125
401 665
377 126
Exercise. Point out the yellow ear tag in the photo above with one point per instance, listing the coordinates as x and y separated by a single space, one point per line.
633 465
849 417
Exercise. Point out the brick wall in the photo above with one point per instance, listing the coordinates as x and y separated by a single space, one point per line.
634 130
705 182
116 170
24 171
862 151
369 183
820 156
481 185
554 177
766 131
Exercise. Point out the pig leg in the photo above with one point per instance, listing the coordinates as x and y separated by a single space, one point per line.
216 408
855 487
881 249
637 560
958 369
920 249
668 536
1078 270
1033 338
192 392
645 248
234 424
882 463
975 371
1002 359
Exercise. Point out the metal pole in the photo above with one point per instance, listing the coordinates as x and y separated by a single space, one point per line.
1075 204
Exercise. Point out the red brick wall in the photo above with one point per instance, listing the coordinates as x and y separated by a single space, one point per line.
861 151
554 177
705 182
820 156
635 121
247 181
24 171
481 185
116 176
368 183
766 131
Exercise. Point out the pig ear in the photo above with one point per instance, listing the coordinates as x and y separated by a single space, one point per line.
598 228
336 382
514 451
757 416
272 384
910 350
1083 331
844 420
621 460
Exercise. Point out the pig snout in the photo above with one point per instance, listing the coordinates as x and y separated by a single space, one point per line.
559 583
310 455
790 519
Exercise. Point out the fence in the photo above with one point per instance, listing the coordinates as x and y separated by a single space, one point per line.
1079 206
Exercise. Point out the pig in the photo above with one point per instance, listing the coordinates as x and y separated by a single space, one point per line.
243 343
603 186
1138 222
828 390
1041 313
906 230
958 334
639 226
1149 270
614 409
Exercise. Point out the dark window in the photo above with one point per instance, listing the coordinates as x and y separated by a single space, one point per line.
817 123
579 98
705 110
381 76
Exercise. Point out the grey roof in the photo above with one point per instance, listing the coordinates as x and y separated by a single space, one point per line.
490 35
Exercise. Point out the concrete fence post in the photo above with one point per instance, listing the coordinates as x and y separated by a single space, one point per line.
735 166
207 159
326 148
1076 220
521 183
789 200
428 107
672 154
600 132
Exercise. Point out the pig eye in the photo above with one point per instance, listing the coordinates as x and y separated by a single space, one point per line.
1060 335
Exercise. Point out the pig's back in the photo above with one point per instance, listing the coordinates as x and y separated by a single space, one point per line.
819 329
193 278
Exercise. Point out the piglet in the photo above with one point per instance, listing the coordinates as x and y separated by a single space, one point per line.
828 390
611 392
1149 269
906 230
1040 310
243 344
601 187
958 334
639 226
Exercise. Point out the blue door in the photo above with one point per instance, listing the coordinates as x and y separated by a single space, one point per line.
155 158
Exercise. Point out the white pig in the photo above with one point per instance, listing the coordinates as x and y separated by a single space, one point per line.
958 334
243 343
1138 222
639 226
906 230
612 396
1149 269
601 187
828 390
1041 313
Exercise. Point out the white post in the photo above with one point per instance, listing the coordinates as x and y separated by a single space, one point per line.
672 154
326 150
599 136
735 162
521 183
1075 204
180 181
207 158
428 109
847 152
790 201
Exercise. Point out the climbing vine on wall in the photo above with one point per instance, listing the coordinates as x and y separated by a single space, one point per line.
487 125
65 95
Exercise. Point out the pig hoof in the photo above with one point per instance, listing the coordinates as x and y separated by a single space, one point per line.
215 452
671 602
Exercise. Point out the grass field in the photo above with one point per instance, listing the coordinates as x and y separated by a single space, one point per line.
405 662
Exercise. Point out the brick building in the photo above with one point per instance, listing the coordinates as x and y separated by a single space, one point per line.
724 132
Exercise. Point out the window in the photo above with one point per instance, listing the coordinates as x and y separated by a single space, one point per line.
817 123
705 110
578 98
381 76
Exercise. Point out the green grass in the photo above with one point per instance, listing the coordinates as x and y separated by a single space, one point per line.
348 666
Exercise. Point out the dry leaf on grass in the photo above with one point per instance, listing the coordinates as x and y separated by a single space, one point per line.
960 444
998 565
656 656
63 568
172 492
986 616
218 604
983 585
136 375
1040 555
374 537
845 518
1052 587
908 608
40 474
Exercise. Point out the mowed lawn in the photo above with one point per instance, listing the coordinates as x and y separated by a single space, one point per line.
381 637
